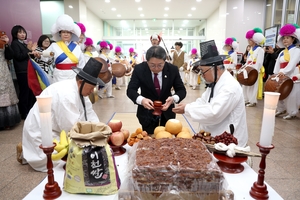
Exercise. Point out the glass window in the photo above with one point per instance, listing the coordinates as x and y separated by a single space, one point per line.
269 13
278 12
290 12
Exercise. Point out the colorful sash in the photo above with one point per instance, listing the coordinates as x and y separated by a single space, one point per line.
67 52
260 74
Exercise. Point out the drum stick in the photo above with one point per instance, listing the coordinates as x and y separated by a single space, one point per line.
166 49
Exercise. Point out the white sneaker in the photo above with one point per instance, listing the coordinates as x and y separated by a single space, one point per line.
101 97
251 105
118 88
111 96
279 113
194 87
288 117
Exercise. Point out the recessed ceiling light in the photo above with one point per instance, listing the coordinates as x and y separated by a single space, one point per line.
165 15
140 8
113 9
70 6
118 15
269 4
189 15
259 13
198 0
166 8
107 1
193 8
168 0
227 13
142 15
234 7
181 29
137 0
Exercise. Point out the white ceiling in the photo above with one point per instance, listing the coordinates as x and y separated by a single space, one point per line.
153 11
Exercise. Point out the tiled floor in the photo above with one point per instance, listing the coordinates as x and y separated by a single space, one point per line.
282 172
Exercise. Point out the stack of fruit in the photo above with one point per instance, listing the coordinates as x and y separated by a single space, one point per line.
61 147
173 128
205 137
138 135
119 136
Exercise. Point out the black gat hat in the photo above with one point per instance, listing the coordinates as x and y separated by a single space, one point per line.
90 72
210 55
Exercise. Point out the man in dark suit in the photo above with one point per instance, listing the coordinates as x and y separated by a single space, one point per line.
155 78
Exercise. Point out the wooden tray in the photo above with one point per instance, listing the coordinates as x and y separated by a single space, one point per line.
238 153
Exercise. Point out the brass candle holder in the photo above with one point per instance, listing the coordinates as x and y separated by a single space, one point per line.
259 189
52 189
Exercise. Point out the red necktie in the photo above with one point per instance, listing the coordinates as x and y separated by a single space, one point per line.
156 84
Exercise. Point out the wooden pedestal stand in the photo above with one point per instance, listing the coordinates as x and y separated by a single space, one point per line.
52 189
259 188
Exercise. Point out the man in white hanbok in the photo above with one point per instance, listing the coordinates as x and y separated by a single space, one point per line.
222 103
70 104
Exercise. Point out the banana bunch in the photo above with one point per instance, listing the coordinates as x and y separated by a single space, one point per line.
62 146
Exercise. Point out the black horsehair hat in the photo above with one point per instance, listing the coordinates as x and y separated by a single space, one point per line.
210 55
90 72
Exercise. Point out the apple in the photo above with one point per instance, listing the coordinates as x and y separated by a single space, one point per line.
126 133
117 138
115 125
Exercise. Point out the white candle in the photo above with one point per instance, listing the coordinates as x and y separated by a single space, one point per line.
44 104
268 122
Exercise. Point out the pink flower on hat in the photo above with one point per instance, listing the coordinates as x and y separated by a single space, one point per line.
256 35
194 51
131 50
118 49
110 46
103 44
250 34
229 41
88 42
287 30
81 26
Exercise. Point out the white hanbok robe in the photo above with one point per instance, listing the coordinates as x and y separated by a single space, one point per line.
58 74
193 77
66 110
256 61
108 85
226 107
291 102
233 61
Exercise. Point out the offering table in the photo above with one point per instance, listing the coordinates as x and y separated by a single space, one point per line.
240 184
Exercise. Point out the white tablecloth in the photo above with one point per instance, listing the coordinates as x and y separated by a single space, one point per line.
240 184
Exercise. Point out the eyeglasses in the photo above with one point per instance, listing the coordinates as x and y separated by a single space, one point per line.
151 65
202 73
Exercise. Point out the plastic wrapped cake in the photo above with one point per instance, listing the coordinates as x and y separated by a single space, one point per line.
174 166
